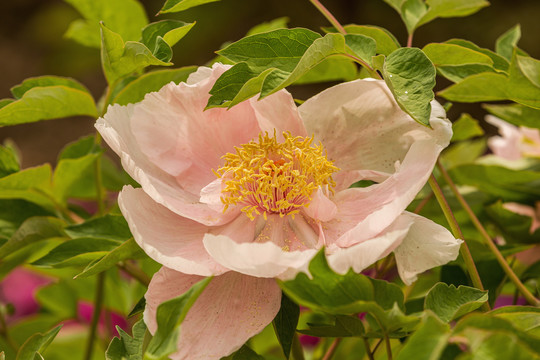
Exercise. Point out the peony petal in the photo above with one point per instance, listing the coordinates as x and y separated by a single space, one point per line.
506 146
231 309
169 239
115 128
174 132
362 127
321 207
368 211
270 258
360 256
525 210
426 246
279 112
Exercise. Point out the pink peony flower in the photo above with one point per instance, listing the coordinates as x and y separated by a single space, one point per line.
252 193
514 142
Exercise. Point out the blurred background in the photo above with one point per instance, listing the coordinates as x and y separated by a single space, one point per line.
32 44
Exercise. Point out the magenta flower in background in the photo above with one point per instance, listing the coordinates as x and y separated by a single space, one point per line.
19 289
252 193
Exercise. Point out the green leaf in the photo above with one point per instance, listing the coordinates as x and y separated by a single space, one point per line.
514 227
9 163
18 91
499 62
245 353
343 326
452 54
507 42
285 324
363 47
73 168
111 227
516 114
279 23
282 49
330 69
450 8
428 341
32 184
492 87
33 230
120 59
463 152
170 30
162 51
456 73
171 6
509 184
466 128
125 17
525 318
410 75
59 298
127 250
76 252
13 213
151 81
36 344
277 62
328 291
386 42
511 343
530 68
48 102
127 347
169 316
411 12
449 302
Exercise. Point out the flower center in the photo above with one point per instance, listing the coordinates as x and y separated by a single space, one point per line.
269 177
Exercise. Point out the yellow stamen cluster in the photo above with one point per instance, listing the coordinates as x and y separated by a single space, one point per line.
276 178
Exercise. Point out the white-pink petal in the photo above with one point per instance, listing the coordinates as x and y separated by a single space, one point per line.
230 310
370 210
272 254
427 245
362 127
362 255
166 237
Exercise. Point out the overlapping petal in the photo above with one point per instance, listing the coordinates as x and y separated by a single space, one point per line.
166 237
230 310
427 245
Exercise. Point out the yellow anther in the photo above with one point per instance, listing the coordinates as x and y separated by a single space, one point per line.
276 178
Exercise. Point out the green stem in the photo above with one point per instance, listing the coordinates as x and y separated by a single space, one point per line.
332 349
456 231
135 272
328 15
500 258
374 74
98 304
388 346
297 352
368 349
409 40
5 333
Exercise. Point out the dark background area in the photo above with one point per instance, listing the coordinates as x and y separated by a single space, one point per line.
32 44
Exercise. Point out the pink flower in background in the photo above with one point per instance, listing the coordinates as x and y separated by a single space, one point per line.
19 289
252 193
514 142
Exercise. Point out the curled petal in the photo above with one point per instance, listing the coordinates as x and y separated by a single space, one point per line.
362 127
360 256
426 246
230 310
321 207
368 211
162 187
507 145
166 237
271 258
279 112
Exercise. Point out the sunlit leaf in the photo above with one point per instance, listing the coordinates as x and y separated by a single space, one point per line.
36 344
171 6
506 43
450 303
410 75
125 17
